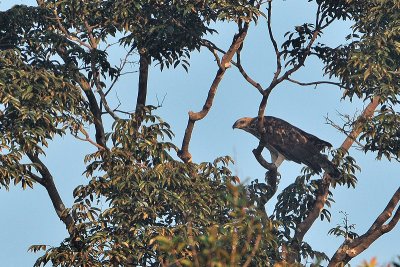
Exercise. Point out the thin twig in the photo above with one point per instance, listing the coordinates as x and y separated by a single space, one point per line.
337 127
67 34
87 138
275 45
314 83
120 68
211 46
245 75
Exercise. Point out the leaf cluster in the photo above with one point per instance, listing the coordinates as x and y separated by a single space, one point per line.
36 105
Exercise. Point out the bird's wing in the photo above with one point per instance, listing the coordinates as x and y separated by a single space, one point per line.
293 143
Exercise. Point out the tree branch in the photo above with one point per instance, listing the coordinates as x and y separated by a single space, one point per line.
245 75
144 63
58 204
351 248
342 130
367 113
36 178
195 116
261 160
95 72
93 105
322 194
212 47
275 45
87 138
314 83
276 79
271 176
66 33
95 109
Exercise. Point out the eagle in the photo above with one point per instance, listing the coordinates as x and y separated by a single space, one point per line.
286 141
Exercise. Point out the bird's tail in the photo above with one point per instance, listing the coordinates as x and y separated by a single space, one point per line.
329 167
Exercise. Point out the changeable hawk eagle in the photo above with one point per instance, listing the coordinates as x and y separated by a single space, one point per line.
285 141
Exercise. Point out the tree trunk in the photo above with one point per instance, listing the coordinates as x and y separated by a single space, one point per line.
144 63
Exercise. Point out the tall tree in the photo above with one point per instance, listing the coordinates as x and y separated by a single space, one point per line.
144 207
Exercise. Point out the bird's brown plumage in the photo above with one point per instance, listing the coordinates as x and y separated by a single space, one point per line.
286 141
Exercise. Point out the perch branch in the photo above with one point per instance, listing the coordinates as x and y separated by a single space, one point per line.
271 176
261 160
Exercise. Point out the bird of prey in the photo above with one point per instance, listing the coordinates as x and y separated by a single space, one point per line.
285 141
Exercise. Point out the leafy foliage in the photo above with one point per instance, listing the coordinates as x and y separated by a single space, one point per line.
37 105
345 229
141 206
147 197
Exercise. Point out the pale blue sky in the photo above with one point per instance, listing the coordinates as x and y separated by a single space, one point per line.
29 218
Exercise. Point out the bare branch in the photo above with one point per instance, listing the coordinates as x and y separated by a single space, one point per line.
213 49
123 112
271 176
314 83
276 79
211 46
367 113
120 73
275 45
105 103
342 130
245 75
261 160
351 248
195 116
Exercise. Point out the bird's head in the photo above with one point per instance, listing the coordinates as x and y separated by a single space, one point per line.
243 123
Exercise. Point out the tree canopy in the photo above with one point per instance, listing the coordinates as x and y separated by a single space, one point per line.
146 202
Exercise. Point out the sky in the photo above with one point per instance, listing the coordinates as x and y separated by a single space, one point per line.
28 217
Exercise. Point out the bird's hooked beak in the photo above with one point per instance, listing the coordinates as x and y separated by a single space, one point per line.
242 123
236 124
